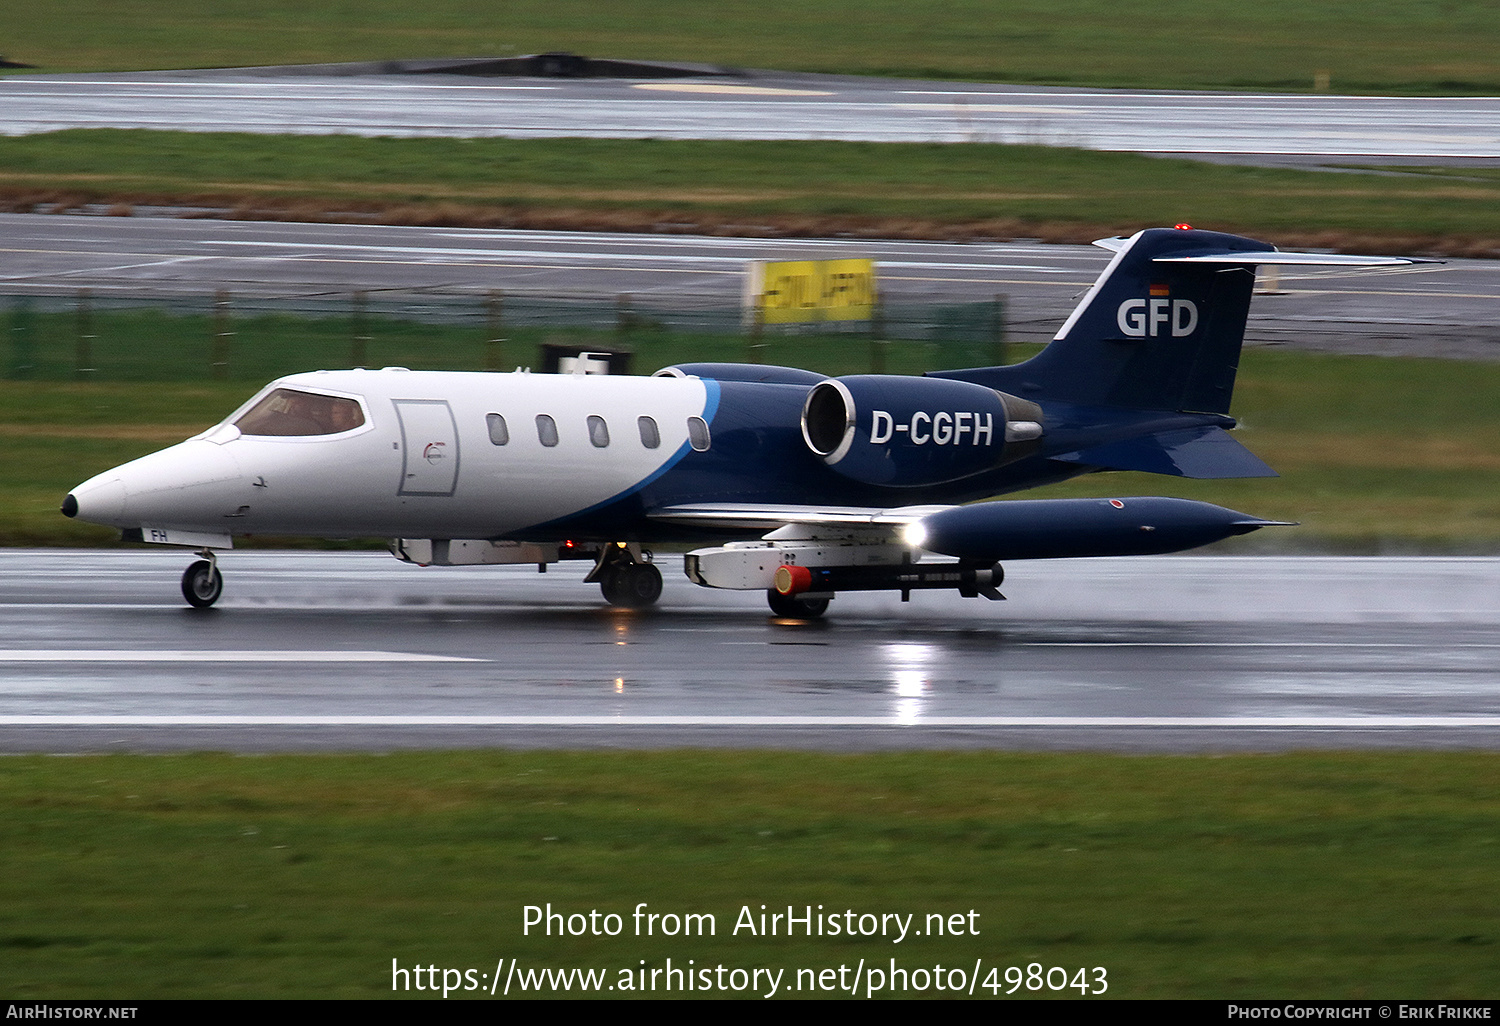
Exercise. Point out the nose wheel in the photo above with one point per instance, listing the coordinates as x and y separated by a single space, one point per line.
202 584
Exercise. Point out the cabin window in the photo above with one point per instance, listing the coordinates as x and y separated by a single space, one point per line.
499 433
598 432
650 436
288 412
698 434
546 429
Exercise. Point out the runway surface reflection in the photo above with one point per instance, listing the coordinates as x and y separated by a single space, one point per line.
355 651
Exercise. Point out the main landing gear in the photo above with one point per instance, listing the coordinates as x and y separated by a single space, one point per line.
202 584
626 576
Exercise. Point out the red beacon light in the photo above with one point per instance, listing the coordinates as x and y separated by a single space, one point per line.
1183 227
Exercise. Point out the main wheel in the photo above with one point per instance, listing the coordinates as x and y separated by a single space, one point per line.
612 585
645 584
631 585
202 584
794 608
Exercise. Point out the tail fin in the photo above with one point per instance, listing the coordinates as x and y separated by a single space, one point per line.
1155 335
1162 327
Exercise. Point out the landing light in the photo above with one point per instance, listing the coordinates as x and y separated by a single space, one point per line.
914 534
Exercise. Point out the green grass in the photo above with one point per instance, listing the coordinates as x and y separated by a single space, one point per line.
892 190
1358 473
1434 46
1352 875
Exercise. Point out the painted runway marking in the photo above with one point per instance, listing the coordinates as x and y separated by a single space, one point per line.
1097 722
118 655
301 251
1214 644
1254 644
262 83
733 90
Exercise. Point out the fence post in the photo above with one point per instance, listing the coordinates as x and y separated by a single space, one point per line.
359 332
494 310
997 330
223 335
624 320
83 356
878 343
755 346
22 338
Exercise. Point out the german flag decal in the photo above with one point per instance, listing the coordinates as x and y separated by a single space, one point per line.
1160 290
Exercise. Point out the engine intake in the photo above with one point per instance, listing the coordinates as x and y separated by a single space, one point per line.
908 432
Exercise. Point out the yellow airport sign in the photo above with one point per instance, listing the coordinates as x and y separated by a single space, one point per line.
801 291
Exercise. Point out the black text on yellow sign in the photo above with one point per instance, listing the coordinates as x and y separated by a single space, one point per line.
797 291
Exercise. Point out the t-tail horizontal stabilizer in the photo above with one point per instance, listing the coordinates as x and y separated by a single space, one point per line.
1201 452
1161 328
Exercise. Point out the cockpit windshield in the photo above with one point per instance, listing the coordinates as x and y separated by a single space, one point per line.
287 411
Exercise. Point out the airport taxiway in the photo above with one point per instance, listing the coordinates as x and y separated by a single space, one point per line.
1442 310
356 651
762 105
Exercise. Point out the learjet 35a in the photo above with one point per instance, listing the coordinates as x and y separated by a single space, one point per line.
812 484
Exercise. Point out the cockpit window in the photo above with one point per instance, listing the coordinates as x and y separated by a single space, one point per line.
287 411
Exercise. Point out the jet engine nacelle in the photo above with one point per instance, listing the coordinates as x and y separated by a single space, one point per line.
905 431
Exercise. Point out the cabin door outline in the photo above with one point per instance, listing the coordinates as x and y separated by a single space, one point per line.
429 447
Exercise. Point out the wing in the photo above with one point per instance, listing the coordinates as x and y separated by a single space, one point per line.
770 517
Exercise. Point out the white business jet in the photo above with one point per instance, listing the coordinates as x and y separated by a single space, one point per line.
813 485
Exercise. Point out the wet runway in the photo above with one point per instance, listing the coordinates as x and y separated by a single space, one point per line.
355 651
765 105
1430 310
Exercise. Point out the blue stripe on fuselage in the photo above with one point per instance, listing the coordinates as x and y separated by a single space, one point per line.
710 408
758 457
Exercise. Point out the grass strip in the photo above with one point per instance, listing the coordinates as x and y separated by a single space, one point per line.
888 190
1354 45
1305 875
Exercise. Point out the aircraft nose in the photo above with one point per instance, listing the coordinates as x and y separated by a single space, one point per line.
189 484
99 500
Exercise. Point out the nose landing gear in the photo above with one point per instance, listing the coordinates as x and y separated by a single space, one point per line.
202 584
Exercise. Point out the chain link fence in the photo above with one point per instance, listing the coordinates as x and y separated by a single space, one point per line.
93 336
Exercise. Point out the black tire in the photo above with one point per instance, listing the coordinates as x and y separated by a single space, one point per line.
612 585
631 585
643 582
202 584
794 608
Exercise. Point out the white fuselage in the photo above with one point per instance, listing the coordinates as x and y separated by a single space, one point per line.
424 462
